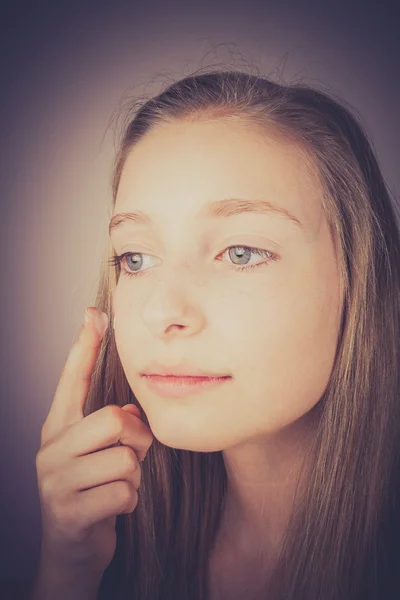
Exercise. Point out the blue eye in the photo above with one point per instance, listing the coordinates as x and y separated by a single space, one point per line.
244 251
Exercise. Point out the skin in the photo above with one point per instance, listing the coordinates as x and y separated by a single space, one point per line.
273 328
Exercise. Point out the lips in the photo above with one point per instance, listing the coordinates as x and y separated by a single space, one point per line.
182 379
183 369
180 387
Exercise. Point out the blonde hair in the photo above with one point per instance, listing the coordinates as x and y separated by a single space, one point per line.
344 528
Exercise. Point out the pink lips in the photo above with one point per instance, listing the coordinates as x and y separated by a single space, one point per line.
177 387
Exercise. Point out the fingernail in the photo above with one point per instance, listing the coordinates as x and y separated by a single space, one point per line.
101 322
100 318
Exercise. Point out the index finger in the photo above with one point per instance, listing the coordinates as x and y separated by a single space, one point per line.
73 386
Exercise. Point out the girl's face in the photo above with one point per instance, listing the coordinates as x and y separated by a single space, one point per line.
272 326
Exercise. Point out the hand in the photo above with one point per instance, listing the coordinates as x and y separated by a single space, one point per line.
87 467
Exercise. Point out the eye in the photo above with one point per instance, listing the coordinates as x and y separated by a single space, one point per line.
242 255
136 261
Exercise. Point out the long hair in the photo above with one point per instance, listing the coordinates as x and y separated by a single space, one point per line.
341 541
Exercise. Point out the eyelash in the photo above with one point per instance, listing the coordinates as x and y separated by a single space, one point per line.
117 260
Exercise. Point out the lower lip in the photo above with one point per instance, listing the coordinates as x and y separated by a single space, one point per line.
178 387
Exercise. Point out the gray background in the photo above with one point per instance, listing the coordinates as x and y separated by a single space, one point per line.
65 66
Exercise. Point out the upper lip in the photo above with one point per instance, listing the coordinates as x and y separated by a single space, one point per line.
179 370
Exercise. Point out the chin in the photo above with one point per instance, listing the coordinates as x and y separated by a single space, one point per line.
189 439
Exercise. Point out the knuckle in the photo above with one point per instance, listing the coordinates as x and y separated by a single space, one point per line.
123 494
47 488
114 413
54 486
134 502
138 479
112 409
129 459
45 433
39 461
126 497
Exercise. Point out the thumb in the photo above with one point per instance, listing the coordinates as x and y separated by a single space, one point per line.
131 408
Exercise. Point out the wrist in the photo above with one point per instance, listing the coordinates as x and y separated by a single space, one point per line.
53 580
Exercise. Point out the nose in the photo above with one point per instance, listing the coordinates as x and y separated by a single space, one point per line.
173 306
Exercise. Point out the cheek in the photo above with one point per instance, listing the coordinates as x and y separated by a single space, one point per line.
282 349
125 308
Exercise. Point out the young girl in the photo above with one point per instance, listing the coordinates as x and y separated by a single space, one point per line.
251 287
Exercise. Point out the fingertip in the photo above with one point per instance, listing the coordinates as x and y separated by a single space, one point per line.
102 322
98 318
131 408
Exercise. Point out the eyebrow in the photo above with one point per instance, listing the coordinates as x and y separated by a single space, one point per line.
227 207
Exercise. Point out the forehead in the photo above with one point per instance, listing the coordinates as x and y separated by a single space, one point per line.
182 166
